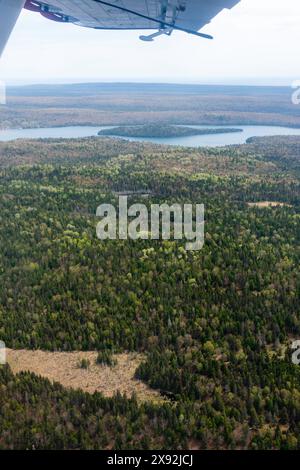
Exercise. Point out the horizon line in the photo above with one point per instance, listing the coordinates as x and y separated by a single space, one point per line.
280 82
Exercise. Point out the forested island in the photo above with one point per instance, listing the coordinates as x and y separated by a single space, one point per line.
163 131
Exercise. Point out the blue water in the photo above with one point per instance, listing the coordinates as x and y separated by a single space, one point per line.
213 140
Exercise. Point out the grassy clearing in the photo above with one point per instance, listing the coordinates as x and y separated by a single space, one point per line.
263 204
64 367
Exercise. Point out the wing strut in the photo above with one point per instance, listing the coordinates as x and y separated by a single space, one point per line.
163 24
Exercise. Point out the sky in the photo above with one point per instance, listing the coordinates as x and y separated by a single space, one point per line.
255 43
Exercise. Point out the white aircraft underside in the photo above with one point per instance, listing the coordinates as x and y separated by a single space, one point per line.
162 15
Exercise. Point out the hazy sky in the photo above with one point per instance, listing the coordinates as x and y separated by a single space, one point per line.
258 40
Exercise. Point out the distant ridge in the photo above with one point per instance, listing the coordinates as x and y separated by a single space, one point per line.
165 88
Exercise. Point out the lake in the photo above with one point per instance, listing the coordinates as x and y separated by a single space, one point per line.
212 140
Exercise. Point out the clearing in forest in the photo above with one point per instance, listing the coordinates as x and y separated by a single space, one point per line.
65 368
263 204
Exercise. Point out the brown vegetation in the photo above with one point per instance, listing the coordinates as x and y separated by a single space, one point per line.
263 204
119 104
64 367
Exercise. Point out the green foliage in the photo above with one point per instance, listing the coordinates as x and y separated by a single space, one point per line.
106 358
84 364
161 131
214 325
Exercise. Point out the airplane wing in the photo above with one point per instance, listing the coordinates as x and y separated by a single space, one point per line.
163 15
9 13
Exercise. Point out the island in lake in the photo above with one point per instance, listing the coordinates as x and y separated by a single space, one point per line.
163 131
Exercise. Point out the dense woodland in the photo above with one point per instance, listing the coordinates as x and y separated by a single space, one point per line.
216 325
99 104
155 130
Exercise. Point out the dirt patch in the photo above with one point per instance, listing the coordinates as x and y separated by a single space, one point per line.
263 204
64 367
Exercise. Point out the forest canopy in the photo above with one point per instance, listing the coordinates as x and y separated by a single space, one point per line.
215 326
163 131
